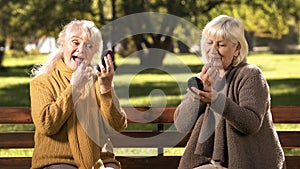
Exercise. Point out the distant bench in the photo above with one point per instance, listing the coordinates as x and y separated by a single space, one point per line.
159 138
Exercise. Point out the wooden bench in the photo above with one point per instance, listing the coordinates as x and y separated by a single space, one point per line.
159 138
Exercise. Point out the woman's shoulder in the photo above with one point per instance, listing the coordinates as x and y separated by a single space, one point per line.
41 79
251 69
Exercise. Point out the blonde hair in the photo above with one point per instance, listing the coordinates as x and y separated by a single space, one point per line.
89 30
226 27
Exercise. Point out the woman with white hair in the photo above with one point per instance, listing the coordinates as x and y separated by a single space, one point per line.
70 101
230 113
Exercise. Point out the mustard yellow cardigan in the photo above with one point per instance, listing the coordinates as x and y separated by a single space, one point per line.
59 137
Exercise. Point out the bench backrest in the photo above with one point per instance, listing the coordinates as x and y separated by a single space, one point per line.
161 137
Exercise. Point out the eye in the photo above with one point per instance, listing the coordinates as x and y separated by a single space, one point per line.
209 42
221 45
75 42
89 46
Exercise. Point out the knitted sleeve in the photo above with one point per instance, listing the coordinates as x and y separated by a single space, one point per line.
250 92
48 112
111 110
187 113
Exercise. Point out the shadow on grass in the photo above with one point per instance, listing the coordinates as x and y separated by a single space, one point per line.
138 90
288 98
174 69
16 71
15 95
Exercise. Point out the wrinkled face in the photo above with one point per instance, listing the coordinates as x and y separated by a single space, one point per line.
77 49
224 48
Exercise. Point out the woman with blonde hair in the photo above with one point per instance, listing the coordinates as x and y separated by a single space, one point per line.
229 115
73 104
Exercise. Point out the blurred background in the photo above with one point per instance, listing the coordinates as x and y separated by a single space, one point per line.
31 26
29 30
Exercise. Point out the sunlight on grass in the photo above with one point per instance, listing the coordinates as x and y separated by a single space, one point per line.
135 151
21 152
21 61
277 66
173 151
287 127
151 101
8 81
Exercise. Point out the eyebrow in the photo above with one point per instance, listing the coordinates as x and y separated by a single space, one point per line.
75 37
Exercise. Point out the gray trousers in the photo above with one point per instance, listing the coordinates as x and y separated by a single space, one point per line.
213 165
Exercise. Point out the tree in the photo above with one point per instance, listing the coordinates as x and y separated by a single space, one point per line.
261 18
22 19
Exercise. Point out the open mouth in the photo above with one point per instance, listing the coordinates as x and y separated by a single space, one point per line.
77 59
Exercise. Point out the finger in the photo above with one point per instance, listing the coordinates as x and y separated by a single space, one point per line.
107 63
109 59
206 67
84 64
80 67
102 68
88 69
98 74
110 63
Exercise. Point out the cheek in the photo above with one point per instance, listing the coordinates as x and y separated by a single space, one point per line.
67 52
90 56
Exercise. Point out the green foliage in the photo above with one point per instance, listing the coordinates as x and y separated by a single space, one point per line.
36 18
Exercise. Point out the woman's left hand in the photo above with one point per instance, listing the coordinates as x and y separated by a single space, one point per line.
106 75
207 96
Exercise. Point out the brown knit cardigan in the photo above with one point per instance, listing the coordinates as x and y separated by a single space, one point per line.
59 138
244 136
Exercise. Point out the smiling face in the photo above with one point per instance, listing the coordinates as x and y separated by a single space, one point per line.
77 49
223 48
225 36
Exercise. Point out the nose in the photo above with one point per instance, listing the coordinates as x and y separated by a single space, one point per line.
80 48
213 50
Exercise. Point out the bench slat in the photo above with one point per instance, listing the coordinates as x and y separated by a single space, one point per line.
167 162
15 162
288 139
292 162
170 162
17 140
15 115
281 114
286 114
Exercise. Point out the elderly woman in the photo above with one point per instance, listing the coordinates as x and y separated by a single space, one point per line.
70 101
230 115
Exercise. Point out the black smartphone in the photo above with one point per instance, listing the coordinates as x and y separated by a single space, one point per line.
195 82
105 53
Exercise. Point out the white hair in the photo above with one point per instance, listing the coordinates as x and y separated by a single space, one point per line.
226 27
88 28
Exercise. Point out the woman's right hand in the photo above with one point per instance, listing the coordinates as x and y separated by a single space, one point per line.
81 76
207 75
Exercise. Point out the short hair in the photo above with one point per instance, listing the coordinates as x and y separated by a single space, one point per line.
226 27
88 29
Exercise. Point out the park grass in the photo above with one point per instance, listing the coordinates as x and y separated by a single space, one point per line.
162 86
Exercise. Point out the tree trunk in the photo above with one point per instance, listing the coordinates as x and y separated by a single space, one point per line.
2 50
152 53
152 57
